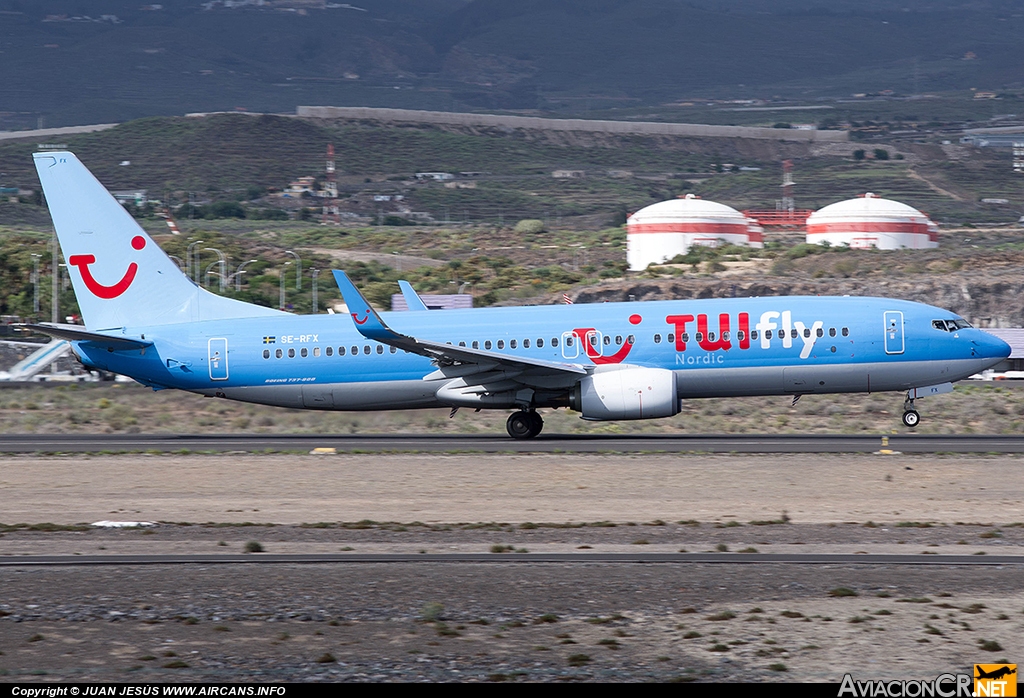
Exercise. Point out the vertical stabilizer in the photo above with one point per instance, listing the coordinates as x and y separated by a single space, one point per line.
121 277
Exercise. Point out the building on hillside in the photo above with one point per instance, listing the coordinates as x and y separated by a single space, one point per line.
661 231
871 221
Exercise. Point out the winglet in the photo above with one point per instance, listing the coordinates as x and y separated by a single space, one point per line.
366 319
412 298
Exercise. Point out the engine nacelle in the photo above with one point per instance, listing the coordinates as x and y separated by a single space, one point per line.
628 393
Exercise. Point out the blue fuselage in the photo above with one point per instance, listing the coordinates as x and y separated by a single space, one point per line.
717 347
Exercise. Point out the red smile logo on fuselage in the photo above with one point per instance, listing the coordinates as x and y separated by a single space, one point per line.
82 261
355 317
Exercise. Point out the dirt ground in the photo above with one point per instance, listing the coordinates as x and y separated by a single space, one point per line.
509 621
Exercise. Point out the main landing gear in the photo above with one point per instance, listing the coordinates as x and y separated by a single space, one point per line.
911 417
524 424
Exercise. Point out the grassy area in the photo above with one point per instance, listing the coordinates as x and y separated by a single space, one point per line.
129 408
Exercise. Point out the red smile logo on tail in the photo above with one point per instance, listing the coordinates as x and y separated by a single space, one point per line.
82 261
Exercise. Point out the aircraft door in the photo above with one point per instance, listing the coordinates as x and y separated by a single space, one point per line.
218 357
594 344
570 345
894 343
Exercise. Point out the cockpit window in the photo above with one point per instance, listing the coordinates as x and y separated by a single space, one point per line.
950 325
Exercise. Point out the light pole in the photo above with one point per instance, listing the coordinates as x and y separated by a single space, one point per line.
281 300
298 270
55 272
238 274
222 261
35 282
208 272
177 260
398 262
188 259
315 273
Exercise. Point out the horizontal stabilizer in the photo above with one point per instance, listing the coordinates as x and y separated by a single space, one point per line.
75 333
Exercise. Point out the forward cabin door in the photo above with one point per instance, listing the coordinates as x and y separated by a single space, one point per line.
218 358
894 343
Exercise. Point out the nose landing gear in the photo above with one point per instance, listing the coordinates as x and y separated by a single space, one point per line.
524 424
911 417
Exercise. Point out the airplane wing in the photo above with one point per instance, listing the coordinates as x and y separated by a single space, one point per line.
75 333
412 299
444 355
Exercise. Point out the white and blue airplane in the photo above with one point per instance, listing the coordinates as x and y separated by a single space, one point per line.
612 361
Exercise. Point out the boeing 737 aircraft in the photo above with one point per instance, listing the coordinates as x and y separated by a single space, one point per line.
612 361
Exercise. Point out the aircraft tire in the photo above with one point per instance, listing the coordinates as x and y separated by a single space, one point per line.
536 424
520 425
911 418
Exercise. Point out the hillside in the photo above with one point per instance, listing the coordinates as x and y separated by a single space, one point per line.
73 62
238 157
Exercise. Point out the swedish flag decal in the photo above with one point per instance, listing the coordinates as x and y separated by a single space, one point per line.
269 340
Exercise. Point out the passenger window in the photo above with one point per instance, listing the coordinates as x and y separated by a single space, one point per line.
266 353
607 339
792 333
568 341
711 337
739 335
807 332
501 343
476 345
291 353
526 344
554 341
540 342
753 335
767 334
684 337
820 332
618 339
278 353
512 344
341 351
394 350
304 352
380 348
699 336
831 331
462 344
487 344
725 336
846 331
657 339
316 351
670 338
366 348
355 350
630 339
329 351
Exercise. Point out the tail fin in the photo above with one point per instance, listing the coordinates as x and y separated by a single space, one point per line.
121 277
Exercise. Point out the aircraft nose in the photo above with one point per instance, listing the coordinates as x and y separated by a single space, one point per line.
992 347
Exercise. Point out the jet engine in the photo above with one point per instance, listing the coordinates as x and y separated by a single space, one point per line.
628 393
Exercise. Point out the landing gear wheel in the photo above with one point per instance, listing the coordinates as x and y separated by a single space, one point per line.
520 425
911 418
536 424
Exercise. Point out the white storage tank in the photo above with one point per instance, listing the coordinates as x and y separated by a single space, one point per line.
871 221
661 231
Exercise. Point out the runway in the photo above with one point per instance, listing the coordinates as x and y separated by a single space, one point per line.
548 443
513 558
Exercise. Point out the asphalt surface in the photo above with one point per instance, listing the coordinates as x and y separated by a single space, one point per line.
527 558
546 443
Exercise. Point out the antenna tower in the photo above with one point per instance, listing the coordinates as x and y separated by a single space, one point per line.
330 193
787 203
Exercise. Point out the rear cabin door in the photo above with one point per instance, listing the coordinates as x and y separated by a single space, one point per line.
218 357
894 343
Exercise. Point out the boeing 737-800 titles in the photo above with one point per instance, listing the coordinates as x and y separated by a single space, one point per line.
145 319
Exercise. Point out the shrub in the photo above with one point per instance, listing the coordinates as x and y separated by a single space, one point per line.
254 546
530 226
